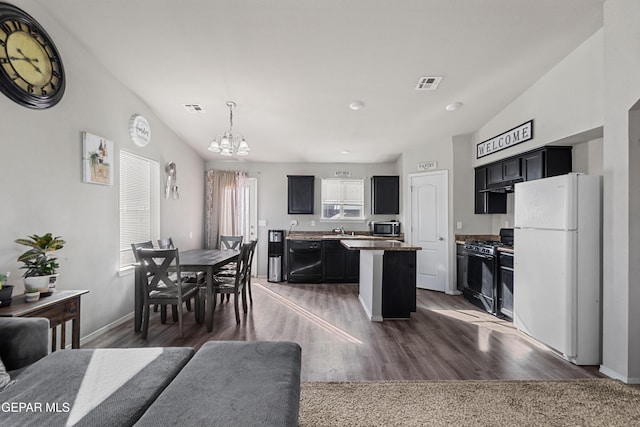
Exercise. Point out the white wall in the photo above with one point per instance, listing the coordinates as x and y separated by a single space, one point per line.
621 344
566 102
272 196
566 105
43 191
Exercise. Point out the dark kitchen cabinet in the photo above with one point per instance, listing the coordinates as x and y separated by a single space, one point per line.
461 267
385 195
352 267
300 192
339 265
546 162
486 201
506 170
505 285
398 284
494 180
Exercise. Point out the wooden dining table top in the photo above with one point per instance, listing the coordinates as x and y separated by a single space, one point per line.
203 258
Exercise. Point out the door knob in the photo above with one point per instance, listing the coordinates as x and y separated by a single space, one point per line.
441 238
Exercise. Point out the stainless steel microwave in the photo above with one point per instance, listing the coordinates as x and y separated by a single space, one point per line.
385 228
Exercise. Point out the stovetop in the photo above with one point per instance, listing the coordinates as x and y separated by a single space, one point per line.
487 247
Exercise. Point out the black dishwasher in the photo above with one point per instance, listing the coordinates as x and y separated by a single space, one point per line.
304 261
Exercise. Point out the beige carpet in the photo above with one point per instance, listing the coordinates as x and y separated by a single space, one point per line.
589 402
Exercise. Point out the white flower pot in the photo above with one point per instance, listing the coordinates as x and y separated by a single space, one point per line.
32 296
44 284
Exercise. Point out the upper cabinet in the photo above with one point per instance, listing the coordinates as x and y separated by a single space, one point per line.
494 180
487 201
385 195
300 194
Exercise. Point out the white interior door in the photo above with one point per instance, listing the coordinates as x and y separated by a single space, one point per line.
429 228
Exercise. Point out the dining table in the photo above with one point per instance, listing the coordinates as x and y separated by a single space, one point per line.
208 261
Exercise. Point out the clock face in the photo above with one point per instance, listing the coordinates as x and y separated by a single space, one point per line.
31 71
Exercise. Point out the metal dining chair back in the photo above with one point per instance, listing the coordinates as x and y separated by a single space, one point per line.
164 283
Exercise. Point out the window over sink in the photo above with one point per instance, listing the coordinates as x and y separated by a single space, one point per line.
342 199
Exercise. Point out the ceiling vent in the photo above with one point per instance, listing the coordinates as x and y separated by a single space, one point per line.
194 108
428 83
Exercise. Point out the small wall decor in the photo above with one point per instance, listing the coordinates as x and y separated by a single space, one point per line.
97 159
171 189
139 130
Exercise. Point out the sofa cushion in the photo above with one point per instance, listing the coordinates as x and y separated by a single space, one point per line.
103 387
4 376
230 383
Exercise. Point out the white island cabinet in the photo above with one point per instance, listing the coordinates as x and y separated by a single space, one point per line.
387 278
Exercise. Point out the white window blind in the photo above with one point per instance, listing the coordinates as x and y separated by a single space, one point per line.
139 203
342 199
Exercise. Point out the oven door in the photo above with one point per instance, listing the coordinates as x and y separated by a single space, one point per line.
480 283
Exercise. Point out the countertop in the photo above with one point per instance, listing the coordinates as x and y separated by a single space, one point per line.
327 235
378 245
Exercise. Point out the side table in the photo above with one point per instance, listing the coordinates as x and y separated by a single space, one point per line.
60 307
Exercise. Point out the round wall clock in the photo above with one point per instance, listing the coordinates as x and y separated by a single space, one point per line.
31 71
139 130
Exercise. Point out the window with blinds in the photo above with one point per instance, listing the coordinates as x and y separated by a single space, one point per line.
342 199
139 203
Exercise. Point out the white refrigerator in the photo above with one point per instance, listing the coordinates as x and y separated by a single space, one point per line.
557 264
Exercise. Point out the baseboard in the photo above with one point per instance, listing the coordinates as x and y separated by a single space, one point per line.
617 376
105 329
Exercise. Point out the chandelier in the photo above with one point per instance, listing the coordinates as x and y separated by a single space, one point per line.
229 143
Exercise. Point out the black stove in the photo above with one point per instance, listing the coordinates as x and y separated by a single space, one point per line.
481 270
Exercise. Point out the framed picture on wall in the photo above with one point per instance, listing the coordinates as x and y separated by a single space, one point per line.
97 159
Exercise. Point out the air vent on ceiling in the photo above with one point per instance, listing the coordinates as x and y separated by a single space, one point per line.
194 108
428 83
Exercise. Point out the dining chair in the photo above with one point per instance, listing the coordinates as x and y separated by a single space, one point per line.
254 243
229 243
138 280
235 285
199 277
160 288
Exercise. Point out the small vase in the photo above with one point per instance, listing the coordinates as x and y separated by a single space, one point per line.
32 296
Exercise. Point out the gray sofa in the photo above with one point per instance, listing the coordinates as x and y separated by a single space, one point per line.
224 383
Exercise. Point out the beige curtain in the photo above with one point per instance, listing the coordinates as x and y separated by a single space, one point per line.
225 205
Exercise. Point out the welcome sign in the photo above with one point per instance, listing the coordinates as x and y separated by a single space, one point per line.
517 135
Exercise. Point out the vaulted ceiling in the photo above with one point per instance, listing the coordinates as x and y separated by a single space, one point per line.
294 66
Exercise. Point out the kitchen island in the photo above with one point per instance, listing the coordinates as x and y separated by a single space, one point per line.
387 277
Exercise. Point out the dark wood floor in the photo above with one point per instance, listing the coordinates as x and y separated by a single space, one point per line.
447 338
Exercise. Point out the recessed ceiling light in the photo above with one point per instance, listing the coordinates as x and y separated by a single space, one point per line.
345 152
454 106
356 105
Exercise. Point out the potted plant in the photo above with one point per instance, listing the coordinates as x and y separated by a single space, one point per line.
41 267
5 290
31 295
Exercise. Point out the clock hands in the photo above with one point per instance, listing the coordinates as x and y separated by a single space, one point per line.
27 59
